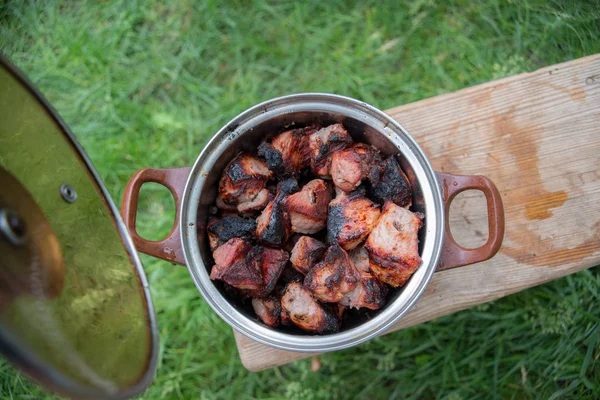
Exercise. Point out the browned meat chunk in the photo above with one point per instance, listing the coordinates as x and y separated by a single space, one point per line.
323 143
393 185
306 253
238 263
369 293
333 277
394 245
360 258
244 177
308 207
222 230
273 262
231 251
351 218
349 167
288 153
268 310
260 202
305 312
273 225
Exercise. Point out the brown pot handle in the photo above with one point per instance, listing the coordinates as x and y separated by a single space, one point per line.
173 179
453 254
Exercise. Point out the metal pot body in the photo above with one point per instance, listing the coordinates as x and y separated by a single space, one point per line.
432 193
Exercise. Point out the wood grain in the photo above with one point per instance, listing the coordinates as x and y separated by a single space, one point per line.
537 136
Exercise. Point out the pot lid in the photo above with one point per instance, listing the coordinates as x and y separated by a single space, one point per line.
75 308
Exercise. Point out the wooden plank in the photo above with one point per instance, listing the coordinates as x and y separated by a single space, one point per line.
537 136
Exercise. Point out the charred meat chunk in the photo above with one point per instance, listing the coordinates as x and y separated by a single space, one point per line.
268 310
360 258
238 263
272 263
288 153
393 185
306 253
351 218
394 245
306 312
349 167
369 293
273 225
243 178
335 276
308 207
229 227
323 143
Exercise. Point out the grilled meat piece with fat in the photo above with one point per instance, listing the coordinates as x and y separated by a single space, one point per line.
349 167
273 225
288 153
268 310
238 263
369 293
332 278
306 312
323 143
243 179
222 230
272 262
351 218
259 203
308 207
306 253
393 245
393 185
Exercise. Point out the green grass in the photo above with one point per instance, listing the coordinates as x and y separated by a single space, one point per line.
146 84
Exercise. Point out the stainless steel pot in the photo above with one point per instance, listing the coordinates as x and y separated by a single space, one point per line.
195 189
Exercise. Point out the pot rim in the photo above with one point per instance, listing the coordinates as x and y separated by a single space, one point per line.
406 145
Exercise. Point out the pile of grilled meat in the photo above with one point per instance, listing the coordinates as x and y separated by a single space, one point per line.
278 208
